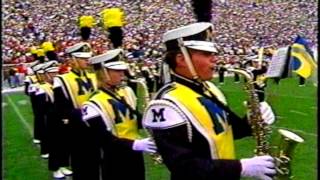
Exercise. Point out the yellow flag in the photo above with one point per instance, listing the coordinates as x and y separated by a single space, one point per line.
303 63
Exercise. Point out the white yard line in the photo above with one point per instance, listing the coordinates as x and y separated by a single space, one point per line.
22 102
21 118
279 117
298 112
12 90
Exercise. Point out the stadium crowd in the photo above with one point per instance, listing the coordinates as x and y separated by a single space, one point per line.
240 25
32 28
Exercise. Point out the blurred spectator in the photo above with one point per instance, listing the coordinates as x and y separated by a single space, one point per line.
21 73
13 78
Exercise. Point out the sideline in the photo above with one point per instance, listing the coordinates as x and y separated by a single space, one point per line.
21 118
12 90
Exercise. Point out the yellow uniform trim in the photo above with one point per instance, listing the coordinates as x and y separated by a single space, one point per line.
124 123
221 142
48 88
78 87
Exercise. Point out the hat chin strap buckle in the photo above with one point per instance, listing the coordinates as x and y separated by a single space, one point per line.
188 60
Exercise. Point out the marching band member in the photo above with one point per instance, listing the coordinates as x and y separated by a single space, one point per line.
30 79
236 65
191 123
111 115
31 84
44 101
258 70
221 70
148 75
70 91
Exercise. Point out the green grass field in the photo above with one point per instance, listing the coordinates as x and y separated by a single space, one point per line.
295 108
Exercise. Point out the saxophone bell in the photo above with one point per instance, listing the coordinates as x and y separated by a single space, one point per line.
288 142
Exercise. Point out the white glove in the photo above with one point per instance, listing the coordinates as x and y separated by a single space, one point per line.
267 113
145 145
258 167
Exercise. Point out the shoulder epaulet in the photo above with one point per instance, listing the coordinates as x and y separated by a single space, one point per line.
94 93
165 89
89 111
163 114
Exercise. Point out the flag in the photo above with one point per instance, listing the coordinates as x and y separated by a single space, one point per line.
302 60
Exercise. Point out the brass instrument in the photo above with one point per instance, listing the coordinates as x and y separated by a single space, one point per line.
150 73
154 70
261 132
146 99
137 69
287 145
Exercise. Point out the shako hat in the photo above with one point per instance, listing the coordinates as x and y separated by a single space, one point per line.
111 60
80 50
196 36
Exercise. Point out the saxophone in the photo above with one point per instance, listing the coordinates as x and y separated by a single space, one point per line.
261 132
156 157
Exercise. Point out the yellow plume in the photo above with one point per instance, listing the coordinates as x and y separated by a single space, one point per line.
47 46
112 17
86 21
40 52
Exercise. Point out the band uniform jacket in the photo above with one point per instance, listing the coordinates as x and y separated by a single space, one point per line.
71 90
193 133
114 127
29 80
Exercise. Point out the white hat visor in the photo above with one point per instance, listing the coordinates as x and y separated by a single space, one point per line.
116 65
52 70
40 71
82 54
201 45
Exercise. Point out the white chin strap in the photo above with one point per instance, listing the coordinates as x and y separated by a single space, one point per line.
188 59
